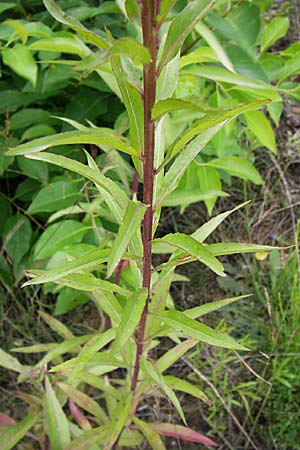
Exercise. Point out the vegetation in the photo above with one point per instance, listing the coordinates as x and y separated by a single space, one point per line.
164 109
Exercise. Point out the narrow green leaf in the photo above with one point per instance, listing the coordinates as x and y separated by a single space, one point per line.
173 104
118 421
56 325
62 45
184 386
14 433
55 10
85 440
64 347
181 26
98 364
132 219
200 55
96 136
164 7
275 30
9 362
191 328
85 262
87 282
173 355
261 127
109 304
20 60
206 308
238 167
92 346
157 377
231 248
56 421
151 436
187 197
209 180
84 401
98 383
130 318
193 248
215 45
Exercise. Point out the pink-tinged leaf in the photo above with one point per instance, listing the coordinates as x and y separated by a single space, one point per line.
79 417
180 432
6 420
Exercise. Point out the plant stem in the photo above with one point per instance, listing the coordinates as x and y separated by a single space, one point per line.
149 12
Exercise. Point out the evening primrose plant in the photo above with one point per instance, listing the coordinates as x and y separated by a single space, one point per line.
116 364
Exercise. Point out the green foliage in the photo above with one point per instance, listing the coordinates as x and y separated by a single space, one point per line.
79 251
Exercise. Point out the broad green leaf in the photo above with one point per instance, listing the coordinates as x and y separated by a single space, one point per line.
204 133
9 362
238 167
257 88
191 328
180 432
118 421
157 377
55 196
87 282
184 386
84 401
96 136
173 355
231 248
164 7
215 45
36 170
261 127
131 221
130 318
17 235
62 45
173 104
181 26
95 344
6 5
151 436
69 299
57 236
20 60
275 30
209 180
206 308
291 66
113 190
57 426
193 248
37 131
55 10
14 433
200 55
56 325
85 262
85 440
19 28
183 198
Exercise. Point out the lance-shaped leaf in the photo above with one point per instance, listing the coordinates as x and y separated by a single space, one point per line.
14 433
84 401
95 344
180 432
215 45
86 440
275 30
99 383
238 167
62 45
87 282
187 197
173 355
109 304
191 328
55 10
157 377
262 129
56 325
56 421
184 386
123 46
130 318
164 8
91 174
21 61
118 421
199 311
174 104
132 219
194 249
11 363
181 26
64 347
209 130
96 136
152 436
85 262
99 361
230 248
